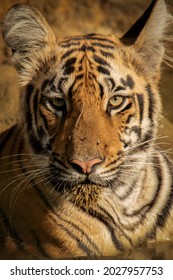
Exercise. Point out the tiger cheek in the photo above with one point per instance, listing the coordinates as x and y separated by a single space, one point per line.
114 145
63 135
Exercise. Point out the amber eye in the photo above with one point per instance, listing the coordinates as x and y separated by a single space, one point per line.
116 101
58 103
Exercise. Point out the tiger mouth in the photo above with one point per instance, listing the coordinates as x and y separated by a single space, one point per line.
84 195
88 182
62 186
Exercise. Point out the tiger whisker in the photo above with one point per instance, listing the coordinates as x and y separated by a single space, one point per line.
144 142
16 194
18 177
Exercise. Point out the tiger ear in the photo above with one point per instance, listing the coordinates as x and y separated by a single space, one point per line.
149 33
31 39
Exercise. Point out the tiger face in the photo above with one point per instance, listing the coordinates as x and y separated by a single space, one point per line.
89 103
90 114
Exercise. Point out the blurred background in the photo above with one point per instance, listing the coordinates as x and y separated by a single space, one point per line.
72 17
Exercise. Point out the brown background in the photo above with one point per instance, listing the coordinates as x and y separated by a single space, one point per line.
79 17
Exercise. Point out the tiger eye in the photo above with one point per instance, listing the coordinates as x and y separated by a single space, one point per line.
116 101
58 102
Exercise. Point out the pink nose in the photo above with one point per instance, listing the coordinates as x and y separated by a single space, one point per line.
85 166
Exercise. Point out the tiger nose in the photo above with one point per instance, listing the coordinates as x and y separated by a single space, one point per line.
85 167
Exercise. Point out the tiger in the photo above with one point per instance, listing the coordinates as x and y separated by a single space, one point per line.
82 175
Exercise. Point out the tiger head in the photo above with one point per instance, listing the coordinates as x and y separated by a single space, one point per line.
89 104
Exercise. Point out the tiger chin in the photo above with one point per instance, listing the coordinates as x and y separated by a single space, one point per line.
81 172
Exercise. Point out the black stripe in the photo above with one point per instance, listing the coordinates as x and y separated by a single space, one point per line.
11 231
128 192
126 108
61 84
109 164
35 143
141 217
39 246
68 70
44 84
158 171
92 244
44 119
16 139
52 80
162 217
109 217
151 102
114 238
106 54
91 35
6 135
129 118
20 149
69 66
79 77
129 82
100 60
42 196
79 242
29 91
59 161
90 48
92 76
28 119
71 44
141 106
35 105
70 90
69 62
136 129
103 40
146 137
103 70
104 46
112 82
81 49
86 38
68 53
119 88
110 170
37 190
105 221
101 90
41 132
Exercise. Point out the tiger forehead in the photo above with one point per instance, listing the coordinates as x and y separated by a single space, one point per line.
96 40
89 46
107 47
85 57
92 65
